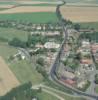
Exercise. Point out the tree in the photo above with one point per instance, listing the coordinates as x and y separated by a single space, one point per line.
77 27
96 78
40 61
17 43
29 41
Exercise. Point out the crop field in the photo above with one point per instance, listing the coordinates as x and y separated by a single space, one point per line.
82 1
90 25
80 14
27 9
7 78
40 17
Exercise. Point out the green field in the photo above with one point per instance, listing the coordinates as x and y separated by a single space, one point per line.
40 17
45 96
23 69
8 3
66 96
90 25
10 33
2 9
96 89
42 4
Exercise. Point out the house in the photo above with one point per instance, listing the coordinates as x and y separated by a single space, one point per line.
86 61
55 33
34 99
94 48
68 75
69 81
39 46
51 45
85 43
22 55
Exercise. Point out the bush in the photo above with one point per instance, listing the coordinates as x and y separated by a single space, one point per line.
85 87
17 43
23 92
96 78
40 61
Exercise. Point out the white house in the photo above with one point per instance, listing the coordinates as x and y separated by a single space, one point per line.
51 45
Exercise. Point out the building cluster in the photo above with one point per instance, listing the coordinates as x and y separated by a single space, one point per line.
94 48
80 76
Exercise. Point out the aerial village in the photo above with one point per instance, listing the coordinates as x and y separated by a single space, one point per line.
43 42
78 65
77 60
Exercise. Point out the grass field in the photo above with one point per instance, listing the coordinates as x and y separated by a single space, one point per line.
2 9
90 25
45 96
40 17
42 4
23 70
10 33
8 3
96 89
67 97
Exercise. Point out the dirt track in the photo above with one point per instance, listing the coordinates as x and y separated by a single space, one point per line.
25 9
80 14
7 78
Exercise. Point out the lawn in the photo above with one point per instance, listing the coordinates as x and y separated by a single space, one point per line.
37 17
45 96
67 97
10 33
42 4
6 51
25 72
2 9
96 89
90 25
91 36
